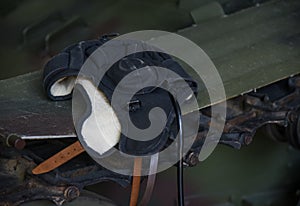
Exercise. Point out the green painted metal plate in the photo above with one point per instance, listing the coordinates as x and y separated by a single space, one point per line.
25 109
251 48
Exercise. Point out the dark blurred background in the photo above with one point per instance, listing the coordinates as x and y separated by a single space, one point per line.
34 30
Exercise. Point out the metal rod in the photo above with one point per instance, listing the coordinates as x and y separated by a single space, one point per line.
180 191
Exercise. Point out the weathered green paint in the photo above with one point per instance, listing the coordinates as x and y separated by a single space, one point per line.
252 48
25 109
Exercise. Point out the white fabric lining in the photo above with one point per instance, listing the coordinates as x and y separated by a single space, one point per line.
63 86
101 130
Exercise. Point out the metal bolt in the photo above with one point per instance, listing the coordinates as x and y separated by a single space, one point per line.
192 159
247 139
71 192
15 141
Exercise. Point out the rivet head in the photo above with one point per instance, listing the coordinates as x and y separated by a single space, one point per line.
71 192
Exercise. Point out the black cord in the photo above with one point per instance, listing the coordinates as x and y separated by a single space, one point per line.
180 192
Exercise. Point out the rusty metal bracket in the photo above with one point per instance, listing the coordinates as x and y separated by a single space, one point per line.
249 112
